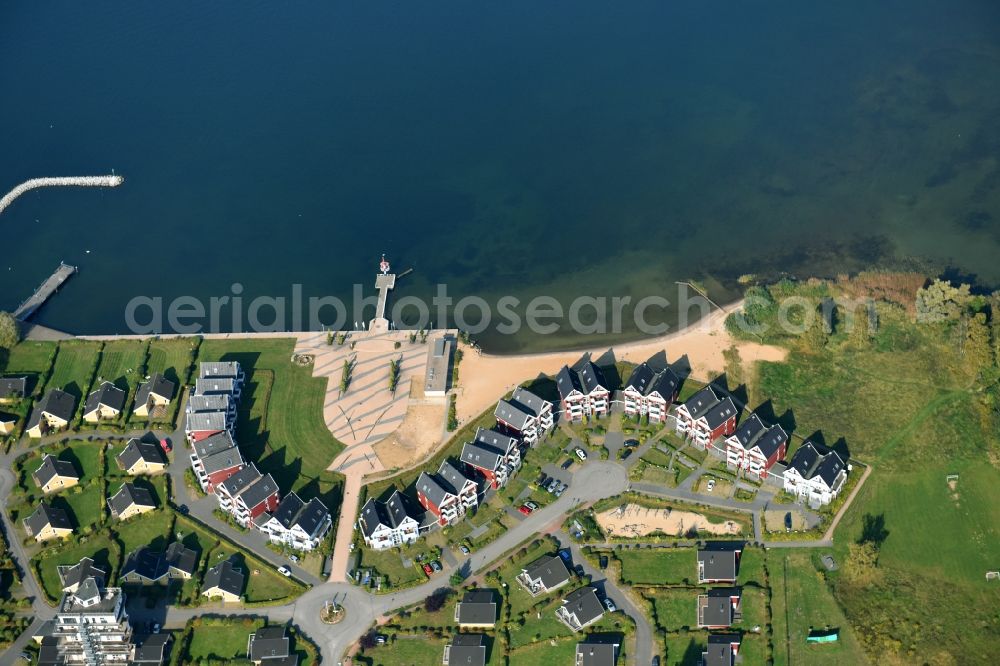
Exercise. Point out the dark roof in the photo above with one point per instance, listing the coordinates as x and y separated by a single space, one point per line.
479 455
146 563
530 401
108 395
240 481
748 432
157 385
720 559
55 402
596 654
567 382
450 478
666 382
467 650
150 649
224 576
812 460
550 569
720 651
180 557
268 643
137 450
584 377
497 440
13 387
259 491
47 515
720 413
513 414
641 378
429 487
391 513
287 510
129 495
52 467
222 441
71 576
312 516
436 487
771 440
478 607
48 653
584 605
701 402
718 610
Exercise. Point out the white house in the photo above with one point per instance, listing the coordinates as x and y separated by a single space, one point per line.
816 474
388 524
649 392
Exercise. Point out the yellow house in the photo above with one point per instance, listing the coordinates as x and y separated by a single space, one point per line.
7 424
54 474
223 581
130 501
157 392
47 522
107 402
140 457
52 413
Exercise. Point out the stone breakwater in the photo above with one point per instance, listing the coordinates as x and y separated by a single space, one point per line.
62 181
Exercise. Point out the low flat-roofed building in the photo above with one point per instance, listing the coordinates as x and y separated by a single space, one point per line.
438 376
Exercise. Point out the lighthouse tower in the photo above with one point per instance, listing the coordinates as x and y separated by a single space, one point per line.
384 282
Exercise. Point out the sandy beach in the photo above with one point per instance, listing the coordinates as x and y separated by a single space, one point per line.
483 378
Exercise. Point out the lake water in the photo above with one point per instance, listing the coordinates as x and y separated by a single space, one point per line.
522 149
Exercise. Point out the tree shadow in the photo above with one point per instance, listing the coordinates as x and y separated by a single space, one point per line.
873 530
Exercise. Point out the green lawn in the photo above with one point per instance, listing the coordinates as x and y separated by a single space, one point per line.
410 651
86 457
280 422
563 652
97 547
150 529
658 566
172 358
121 363
86 504
74 367
226 640
29 358
389 563
800 600
675 608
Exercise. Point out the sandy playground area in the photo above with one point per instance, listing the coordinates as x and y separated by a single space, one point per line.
632 520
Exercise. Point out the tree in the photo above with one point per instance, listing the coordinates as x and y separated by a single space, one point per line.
940 301
978 346
435 602
817 334
10 332
861 567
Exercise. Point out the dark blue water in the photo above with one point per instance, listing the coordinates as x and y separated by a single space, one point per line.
521 148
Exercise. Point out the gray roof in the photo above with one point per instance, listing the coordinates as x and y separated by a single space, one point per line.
258 493
719 607
431 489
214 386
720 651
478 607
391 513
584 377
52 467
495 439
748 432
150 649
584 605
812 460
55 402
13 387
720 559
550 569
47 515
720 413
107 395
771 440
701 402
268 643
226 577
157 385
513 414
240 481
137 450
180 557
71 576
530 401
216 402
130 495
451 479
145 563
596 654
312 516
288 510
483 457
222 441
206 421
467 650
225 459
225 369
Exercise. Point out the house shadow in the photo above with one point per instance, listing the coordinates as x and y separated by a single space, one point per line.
544 387
74 390
59 502
285 472
69 455
331 498
738 393
842 449
767 413
692 654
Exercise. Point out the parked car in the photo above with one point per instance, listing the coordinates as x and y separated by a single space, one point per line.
565 555
156 627
183 509
166 445
604 561
567 464
631 443
428 570
711 485
788 521
531 505
610 605
553 484
559 491
464 549
580 453
285 571
579 570
525 509
436 565
542 480
293 558
380 639
656 660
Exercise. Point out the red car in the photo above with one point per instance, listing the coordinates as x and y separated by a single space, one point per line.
165 445
428 570
525 509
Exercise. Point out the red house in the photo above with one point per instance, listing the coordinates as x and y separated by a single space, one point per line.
215 459
494 455
248 494
755 447
447 494
705 417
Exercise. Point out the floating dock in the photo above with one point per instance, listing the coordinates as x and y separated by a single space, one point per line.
44 291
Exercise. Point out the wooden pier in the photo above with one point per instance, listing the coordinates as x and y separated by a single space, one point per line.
44 291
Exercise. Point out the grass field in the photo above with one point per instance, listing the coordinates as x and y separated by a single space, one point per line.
97 547
221 640
658 566
86 504
172 358
151 529
675 608
74 367
28 358
280 423
121 363
563 652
